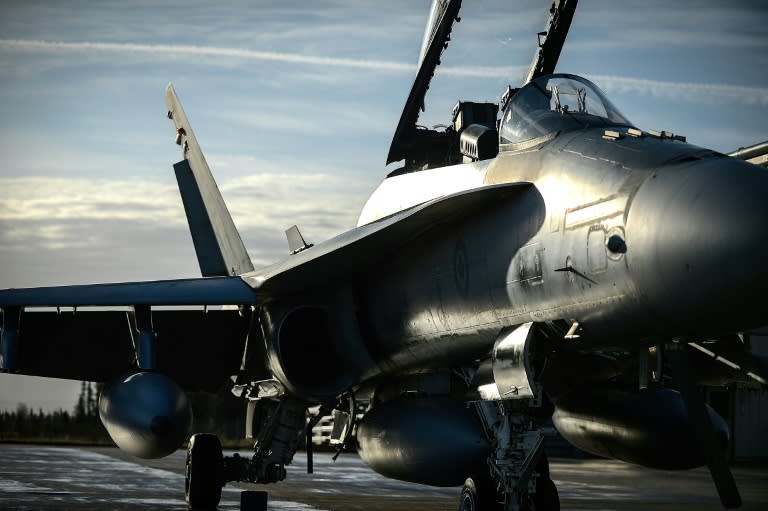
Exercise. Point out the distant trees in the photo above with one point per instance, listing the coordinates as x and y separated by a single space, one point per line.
81 426
87 406
26 425
220 413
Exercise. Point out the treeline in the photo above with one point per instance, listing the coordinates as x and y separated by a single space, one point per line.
80 426
221 414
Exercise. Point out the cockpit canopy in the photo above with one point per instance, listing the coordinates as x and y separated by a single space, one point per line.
556 103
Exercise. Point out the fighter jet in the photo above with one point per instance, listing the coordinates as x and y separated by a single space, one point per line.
538 259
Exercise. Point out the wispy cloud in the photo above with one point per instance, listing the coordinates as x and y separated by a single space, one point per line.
241 53
674 26
690 91
212 51
260 199
56 199
687 91
129 224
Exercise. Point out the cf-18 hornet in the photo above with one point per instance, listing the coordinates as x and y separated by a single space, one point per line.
538 259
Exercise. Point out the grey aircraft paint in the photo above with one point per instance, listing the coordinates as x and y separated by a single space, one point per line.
590 251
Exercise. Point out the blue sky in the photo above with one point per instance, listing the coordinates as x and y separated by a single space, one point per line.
295 109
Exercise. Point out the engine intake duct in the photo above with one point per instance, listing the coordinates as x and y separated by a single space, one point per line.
309 354
649 427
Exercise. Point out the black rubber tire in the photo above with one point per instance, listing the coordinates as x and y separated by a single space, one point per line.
546 498
479 494
204 471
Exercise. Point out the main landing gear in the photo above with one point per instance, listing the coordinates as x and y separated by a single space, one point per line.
518 478
517 475
479 493
277 425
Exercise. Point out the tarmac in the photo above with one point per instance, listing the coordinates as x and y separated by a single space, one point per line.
74 478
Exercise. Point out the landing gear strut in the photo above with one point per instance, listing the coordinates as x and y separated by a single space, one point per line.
518 470
518 478
277 424
480 493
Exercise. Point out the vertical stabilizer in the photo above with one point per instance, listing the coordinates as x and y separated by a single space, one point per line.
220 250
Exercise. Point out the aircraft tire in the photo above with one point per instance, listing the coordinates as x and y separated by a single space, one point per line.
204 467
479 494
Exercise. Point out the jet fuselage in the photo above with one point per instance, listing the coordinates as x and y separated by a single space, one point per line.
622 235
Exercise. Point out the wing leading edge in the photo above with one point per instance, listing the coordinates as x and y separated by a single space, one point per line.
351 252
198 349
357 250
200 291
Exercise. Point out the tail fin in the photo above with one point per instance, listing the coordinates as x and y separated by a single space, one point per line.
220 250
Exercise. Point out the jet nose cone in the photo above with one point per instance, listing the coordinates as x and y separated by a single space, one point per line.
697 237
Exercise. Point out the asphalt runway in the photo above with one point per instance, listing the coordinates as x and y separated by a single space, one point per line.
59 478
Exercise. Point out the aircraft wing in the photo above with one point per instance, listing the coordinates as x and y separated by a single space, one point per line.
199 291
355 251
97 345
197 348
756 153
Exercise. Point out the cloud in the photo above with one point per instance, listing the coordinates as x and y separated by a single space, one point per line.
694 92
63 231
212 51
319 118
326 204
172 50
55 199
673 26
691 92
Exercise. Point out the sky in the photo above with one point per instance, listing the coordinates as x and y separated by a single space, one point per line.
295 107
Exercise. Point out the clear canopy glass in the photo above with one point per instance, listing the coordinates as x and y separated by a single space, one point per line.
559 102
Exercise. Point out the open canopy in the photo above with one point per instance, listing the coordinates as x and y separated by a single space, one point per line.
557 102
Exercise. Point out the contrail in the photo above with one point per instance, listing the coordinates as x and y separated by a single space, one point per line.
174 49
293 58
692 92
684 91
